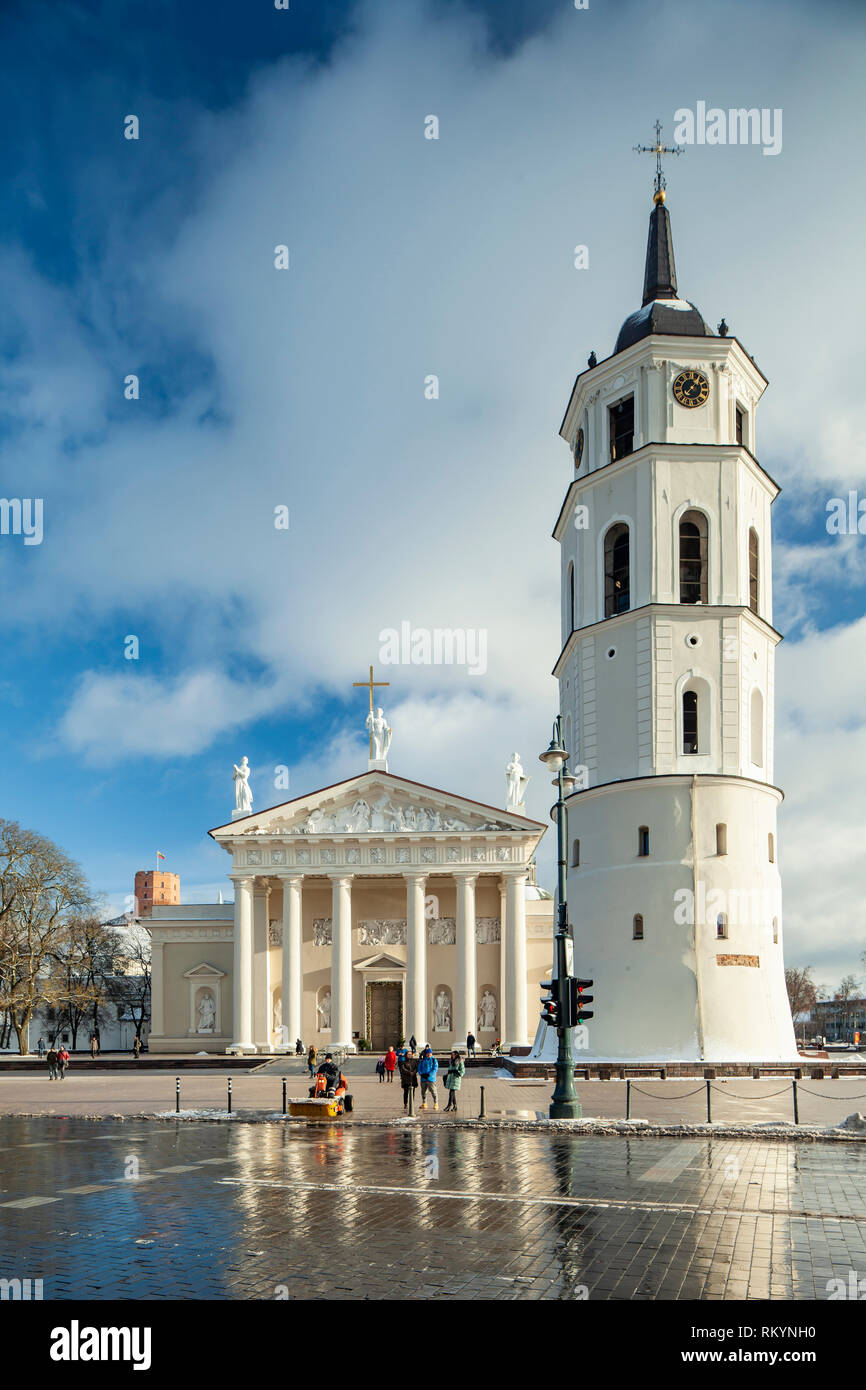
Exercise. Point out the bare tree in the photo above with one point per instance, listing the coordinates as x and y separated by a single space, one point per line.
802 992
83 969
846 996
42 892
130 987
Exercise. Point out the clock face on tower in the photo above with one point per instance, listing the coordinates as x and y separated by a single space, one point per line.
578 448
691 389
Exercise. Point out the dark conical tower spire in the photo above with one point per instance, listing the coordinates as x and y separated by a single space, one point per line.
660 274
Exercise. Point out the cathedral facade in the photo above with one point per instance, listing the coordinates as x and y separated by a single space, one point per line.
367 912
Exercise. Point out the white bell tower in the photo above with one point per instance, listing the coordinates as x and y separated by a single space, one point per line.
666 689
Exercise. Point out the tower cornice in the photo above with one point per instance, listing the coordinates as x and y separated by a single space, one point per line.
668 450
665 610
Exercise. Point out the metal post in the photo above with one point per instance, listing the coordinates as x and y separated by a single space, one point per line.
411 1110
482 1114
230 1095
284 1095
628 1100
709 1103
177 1095
796 1102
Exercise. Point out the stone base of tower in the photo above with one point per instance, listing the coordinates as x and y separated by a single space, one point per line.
684 943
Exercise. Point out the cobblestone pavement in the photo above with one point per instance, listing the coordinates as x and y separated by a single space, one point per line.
740 1100
261 1212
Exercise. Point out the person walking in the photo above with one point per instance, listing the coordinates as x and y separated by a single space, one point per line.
52 1063
408 1075
94 1048
380 1070
136 1046
428 1070
454 1075
40 1048
299 1048
62 1062
390 1063
470 1044
311 1059
413 1043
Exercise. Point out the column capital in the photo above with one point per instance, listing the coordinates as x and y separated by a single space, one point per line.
514 875
465 876
290 877
341 878
415 875
243 879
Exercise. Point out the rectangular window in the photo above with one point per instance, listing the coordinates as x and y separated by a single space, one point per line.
690 722
643 841
621 428
575 854
739 419
721 839
637 927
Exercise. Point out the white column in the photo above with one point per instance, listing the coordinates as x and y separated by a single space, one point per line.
416 959
292 981
242 1009
467 986
502 1020
341 961
515 925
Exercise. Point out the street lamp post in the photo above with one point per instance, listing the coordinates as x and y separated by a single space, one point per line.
565 1103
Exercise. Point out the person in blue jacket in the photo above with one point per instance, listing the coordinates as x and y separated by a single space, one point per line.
428 1069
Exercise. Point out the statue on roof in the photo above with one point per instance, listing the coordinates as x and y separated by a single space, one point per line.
243 794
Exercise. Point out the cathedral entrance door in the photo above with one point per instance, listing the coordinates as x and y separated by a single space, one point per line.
385 1014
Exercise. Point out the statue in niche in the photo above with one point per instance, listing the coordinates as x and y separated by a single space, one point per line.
206 1013
487 1012
278 1014
241 779
323 1009
442 1013
377 725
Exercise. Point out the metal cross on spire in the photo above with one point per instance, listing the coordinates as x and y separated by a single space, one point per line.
658 149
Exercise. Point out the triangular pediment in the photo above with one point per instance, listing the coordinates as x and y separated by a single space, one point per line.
378 803
204 971
383 961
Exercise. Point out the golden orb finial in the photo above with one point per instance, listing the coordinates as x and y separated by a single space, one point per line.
659 197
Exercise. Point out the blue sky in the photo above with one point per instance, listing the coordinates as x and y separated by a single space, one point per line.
305 388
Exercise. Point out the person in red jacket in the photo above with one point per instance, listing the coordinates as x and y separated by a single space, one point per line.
62 1062
390 1063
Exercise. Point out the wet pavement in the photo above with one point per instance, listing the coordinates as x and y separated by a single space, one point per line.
236 1211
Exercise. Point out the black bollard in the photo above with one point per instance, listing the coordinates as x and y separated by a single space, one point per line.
628 1100
411 1110
177 1095
796 1102
284 1095
709 1103
230 1095
482 1114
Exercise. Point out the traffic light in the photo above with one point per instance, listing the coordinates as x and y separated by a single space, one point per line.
577 1001
550 1011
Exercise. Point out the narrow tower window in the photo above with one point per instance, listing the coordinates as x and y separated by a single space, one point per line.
739 422
693 558
775 931
721 838
622 428
571 598
575 854
643 841
771 848
753 569
616 571
690 721
722 926
756 721
637 927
